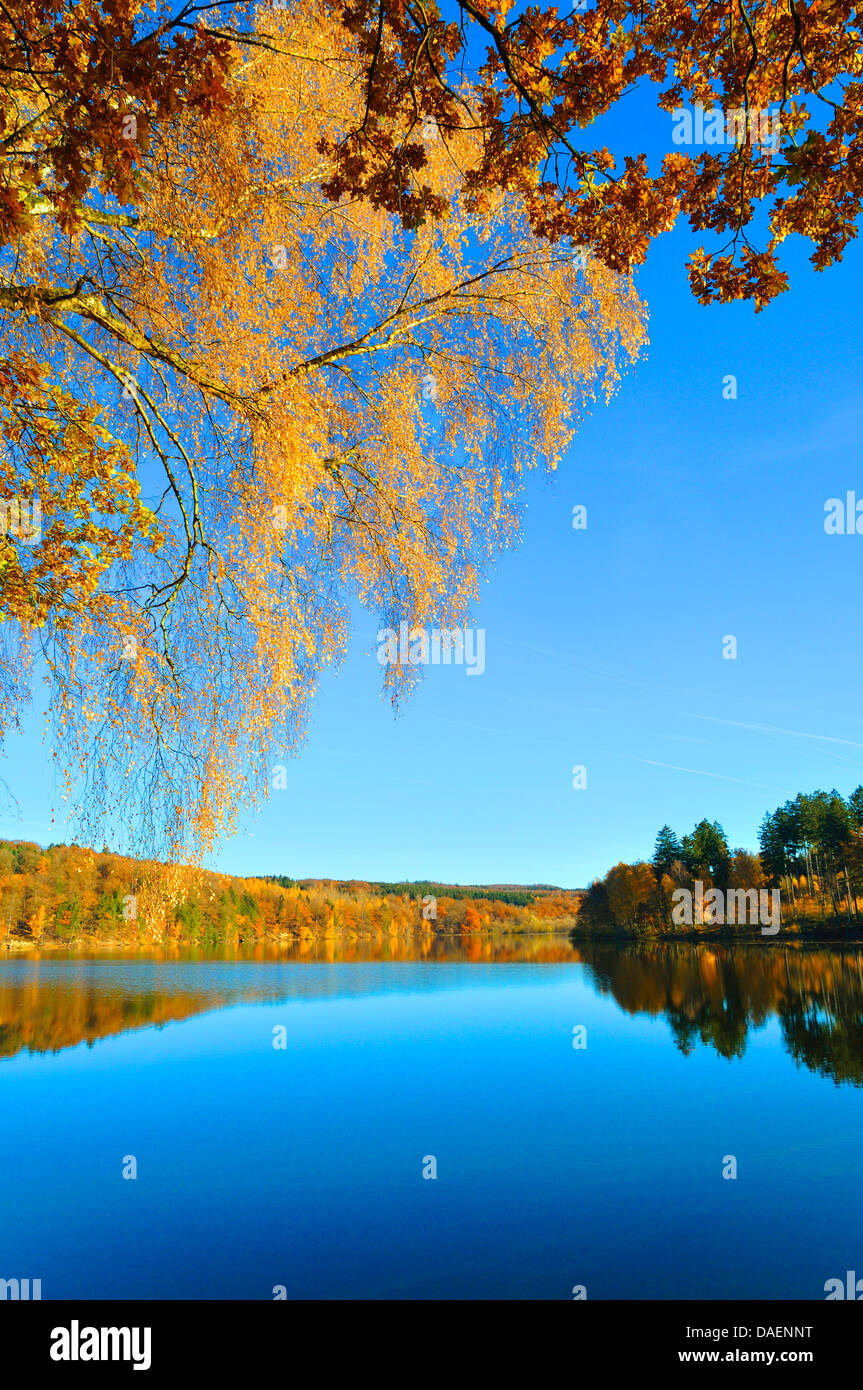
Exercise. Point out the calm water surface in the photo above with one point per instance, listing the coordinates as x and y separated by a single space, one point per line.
556 1166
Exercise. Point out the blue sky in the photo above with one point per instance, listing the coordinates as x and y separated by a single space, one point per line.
604 646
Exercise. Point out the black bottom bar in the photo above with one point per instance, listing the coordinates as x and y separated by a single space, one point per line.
231 1338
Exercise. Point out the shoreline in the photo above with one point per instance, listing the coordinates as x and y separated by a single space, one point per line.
806 935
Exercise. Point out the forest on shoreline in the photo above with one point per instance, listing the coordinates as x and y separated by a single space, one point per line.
809 866
67 895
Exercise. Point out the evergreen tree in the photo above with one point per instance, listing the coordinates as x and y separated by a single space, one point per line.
707 848
666 850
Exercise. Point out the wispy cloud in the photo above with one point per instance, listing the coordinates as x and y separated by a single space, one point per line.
774 729
849 762
700 772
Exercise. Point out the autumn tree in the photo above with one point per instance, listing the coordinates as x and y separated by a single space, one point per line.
36 922
629 887
244 406
745 870
83 83
545 77
471 921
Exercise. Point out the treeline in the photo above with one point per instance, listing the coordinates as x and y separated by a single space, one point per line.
67 894
813 846
504 893
810 850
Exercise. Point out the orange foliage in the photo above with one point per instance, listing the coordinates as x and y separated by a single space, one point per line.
217 392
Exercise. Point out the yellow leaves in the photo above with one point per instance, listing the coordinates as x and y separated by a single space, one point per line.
282 450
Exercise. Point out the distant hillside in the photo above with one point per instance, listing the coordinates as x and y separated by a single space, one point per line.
518 894
68 894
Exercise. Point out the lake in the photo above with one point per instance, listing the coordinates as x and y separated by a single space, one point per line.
285 1119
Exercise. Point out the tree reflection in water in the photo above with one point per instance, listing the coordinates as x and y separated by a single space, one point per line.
715 995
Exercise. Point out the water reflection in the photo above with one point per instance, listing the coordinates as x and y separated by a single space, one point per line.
50 1001
715 996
